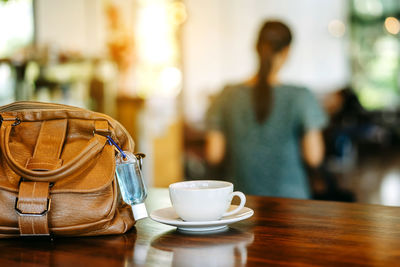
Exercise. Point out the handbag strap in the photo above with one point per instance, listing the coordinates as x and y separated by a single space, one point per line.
46 155
32 206
33 201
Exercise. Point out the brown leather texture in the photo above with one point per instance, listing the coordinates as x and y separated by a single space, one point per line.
57 172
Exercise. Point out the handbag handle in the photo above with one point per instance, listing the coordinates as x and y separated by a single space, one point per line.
94 146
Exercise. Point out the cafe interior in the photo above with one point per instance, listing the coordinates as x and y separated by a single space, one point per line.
157 65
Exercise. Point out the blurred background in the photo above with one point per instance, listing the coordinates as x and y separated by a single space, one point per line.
155 65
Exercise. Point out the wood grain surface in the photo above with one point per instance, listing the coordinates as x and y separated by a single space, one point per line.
281 232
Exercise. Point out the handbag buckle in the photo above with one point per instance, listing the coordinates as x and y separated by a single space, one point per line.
21 213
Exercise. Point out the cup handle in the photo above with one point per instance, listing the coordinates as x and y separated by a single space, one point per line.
241 205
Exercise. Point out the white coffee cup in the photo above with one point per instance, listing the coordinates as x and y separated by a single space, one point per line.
204 200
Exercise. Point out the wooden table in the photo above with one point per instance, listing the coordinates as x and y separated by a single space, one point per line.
281 232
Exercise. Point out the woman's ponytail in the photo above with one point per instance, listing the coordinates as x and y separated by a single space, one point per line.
262 96
273 37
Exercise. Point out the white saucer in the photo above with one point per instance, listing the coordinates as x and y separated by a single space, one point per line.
168 216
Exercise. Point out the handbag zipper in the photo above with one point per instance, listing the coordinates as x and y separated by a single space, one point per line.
29 105
32 105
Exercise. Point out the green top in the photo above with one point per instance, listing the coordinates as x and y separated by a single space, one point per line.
265 159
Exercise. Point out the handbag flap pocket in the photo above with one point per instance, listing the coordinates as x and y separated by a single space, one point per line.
98 175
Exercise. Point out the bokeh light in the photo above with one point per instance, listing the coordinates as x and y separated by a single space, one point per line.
392 25
158 48
337 28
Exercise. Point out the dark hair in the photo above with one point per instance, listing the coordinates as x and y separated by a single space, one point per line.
274 36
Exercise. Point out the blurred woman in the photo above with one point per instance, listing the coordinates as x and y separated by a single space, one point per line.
265 130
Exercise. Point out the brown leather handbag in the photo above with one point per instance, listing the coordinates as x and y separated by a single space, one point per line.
57 172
